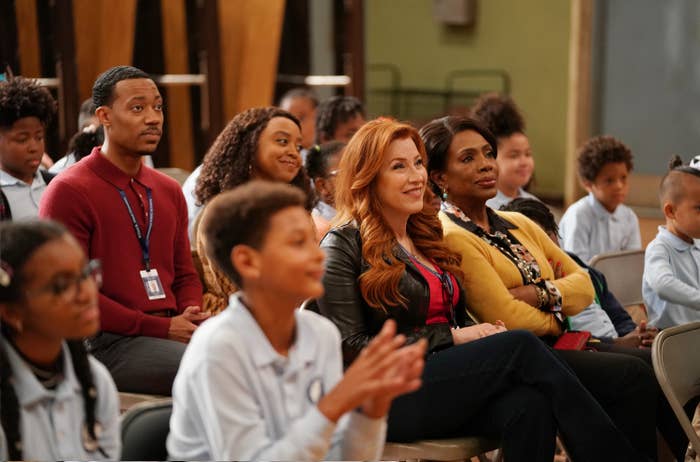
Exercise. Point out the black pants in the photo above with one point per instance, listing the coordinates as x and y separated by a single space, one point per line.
513 387
666 420
139 364
625 387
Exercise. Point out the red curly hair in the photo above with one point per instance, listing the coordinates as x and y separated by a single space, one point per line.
357 202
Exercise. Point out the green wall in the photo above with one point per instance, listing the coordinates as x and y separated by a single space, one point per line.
530 40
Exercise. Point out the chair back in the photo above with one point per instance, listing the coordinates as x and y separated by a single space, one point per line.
674 355
145 428
624 271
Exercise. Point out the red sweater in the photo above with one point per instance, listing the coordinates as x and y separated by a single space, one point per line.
85 198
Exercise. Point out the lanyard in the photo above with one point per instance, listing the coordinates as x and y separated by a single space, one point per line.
143 240
448 289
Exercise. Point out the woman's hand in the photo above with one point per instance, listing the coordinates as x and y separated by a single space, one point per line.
558 269
477 331
527 294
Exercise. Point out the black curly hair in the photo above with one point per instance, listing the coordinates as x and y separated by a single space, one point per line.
228 162
500 115
333 112
18 242
21 97
601 150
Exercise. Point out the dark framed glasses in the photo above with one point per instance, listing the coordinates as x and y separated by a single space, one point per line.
67 287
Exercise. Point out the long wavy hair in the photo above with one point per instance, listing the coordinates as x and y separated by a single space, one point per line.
231 160
357 202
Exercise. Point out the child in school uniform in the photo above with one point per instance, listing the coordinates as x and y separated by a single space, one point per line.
671 285
56 401
263 380
26 110
600 222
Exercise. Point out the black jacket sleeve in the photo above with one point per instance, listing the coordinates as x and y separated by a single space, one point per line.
343 304
342 301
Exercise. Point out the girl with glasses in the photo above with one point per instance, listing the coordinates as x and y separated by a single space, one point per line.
56 401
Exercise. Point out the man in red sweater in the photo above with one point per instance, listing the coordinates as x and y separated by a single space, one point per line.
134 219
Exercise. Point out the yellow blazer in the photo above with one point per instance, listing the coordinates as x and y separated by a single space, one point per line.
489 275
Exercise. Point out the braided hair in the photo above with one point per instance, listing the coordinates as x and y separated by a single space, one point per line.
18 242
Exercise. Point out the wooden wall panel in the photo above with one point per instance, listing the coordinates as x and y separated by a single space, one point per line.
232 21
260 53
116 33
87 44
580 93
179 107
104 37
250 33
28 38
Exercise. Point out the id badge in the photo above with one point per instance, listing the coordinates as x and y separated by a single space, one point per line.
151 281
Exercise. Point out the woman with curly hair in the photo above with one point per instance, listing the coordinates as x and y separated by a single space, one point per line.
515 162
386 260
56 401
260 143
26 109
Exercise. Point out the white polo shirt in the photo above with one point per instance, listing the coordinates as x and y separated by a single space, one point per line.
23 198
51 421
501 199
671 284
588 229
236 398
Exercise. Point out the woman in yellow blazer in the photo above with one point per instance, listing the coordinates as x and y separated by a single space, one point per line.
513 272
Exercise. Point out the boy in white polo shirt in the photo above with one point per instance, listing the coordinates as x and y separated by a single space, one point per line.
600 222
263 380
26 109
671 285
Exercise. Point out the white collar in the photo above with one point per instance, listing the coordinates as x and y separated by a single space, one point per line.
28 388
302 352
8 180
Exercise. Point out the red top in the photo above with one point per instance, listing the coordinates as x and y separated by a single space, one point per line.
85 198
438 310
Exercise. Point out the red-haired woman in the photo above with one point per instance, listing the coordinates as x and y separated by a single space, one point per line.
386 259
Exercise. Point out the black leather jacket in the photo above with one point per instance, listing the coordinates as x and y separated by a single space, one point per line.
343 304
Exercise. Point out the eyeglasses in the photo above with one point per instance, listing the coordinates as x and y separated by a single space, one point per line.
67 287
